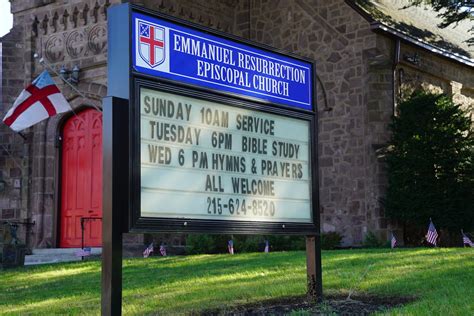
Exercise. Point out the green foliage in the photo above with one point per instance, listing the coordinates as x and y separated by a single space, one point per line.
211 244
205 243
431 164
371 241
286 243
330 240
249 243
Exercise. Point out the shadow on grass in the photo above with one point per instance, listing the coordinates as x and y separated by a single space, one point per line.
195 283
218 271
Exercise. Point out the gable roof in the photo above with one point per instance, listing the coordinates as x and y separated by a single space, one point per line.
419 25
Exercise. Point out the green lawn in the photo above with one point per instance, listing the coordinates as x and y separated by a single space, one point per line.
441 279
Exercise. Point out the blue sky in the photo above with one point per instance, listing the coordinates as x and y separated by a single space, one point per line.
6 19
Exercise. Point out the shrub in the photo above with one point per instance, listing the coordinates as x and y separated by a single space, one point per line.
286 243
245 243
371 241
431 165
205 243
210 244
330 240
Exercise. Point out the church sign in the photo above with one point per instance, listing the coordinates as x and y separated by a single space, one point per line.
204 133
221 134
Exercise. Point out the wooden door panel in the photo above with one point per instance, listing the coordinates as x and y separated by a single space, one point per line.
96 185
81 180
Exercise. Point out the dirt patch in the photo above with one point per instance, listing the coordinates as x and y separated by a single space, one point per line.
332 305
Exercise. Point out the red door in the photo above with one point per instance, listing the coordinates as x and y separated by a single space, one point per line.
81 180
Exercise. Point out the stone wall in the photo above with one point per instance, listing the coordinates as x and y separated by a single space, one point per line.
214 14
355 96
14 162
350 68
428 71
379 107
65 33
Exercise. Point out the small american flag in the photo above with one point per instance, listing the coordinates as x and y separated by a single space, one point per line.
432 234
466 240
393 241
84 252
230 246
148 251
163 250
267 246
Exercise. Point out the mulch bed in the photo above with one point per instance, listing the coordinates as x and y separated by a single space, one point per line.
332 305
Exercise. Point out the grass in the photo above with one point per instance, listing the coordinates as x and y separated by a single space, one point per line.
441 279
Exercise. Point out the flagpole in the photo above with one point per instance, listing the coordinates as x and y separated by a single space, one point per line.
45 63
22 136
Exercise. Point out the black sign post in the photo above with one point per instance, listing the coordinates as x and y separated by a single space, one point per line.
204 133
115 191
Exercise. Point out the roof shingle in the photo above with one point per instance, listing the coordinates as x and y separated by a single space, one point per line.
421 23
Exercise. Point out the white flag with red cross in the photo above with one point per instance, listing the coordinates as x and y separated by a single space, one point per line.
40 100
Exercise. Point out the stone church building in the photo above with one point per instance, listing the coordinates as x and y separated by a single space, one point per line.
369 54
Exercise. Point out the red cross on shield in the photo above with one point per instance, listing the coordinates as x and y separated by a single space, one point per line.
151 43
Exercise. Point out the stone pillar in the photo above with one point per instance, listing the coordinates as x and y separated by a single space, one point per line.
13 148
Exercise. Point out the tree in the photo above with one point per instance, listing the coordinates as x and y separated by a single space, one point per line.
431 164
452 12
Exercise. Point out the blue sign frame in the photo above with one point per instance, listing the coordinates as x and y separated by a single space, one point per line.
168 50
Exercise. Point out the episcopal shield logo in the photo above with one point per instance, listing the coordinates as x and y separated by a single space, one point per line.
151 43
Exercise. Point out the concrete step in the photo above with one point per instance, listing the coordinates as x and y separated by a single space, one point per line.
55 255
64 251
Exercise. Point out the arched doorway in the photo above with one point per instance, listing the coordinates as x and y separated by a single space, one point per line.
81 180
